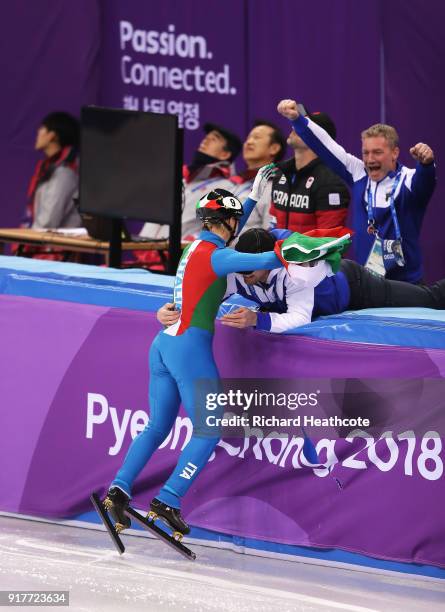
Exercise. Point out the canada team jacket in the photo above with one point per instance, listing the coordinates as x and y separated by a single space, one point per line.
312 197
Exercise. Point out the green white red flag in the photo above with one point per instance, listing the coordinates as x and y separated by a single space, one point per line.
328 244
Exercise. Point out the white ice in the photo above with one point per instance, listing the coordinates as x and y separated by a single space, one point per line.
151 577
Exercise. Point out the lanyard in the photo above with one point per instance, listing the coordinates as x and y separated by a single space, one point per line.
372 206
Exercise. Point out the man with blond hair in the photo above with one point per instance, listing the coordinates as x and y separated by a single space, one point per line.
389 200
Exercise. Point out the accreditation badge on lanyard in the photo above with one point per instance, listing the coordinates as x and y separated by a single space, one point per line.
374 263
384 254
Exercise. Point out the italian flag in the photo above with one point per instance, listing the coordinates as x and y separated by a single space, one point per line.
327 244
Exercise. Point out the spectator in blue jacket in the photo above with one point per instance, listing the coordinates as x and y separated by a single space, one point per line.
389 200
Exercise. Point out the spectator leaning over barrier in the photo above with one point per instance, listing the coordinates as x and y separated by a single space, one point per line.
55 180
389 199
212 163
264 144
287 302
307 195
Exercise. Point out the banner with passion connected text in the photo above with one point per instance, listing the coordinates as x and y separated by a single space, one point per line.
71 408
176 60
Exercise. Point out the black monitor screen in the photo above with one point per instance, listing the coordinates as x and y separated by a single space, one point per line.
130 164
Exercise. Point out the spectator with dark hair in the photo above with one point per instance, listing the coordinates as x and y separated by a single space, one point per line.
264 144
211 164
306 194
55 180
265 141
210 169
216 152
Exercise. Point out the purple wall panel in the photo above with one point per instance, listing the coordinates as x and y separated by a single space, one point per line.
327 58
414 47
49 61
191 38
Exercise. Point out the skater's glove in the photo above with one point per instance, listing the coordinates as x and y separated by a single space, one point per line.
168 315
264 174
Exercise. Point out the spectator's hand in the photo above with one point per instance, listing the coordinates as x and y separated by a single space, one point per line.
168 315
241 317
422 153
289 109
264 174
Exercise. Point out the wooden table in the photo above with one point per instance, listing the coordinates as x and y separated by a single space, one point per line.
78 244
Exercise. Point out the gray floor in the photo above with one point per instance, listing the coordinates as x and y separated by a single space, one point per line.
151 577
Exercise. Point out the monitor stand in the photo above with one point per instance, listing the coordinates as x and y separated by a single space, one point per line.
115 249
174 247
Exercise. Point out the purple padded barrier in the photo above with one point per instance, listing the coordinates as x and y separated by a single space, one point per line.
53 456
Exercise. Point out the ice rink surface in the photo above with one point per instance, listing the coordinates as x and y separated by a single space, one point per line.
151 577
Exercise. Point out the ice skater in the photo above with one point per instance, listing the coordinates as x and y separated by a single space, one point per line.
182 355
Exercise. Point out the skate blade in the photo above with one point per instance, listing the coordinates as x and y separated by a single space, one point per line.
161 533
176 535
119 527
98 505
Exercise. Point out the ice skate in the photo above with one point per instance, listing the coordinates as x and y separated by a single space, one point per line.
104 517
173 540
171 516
116 502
